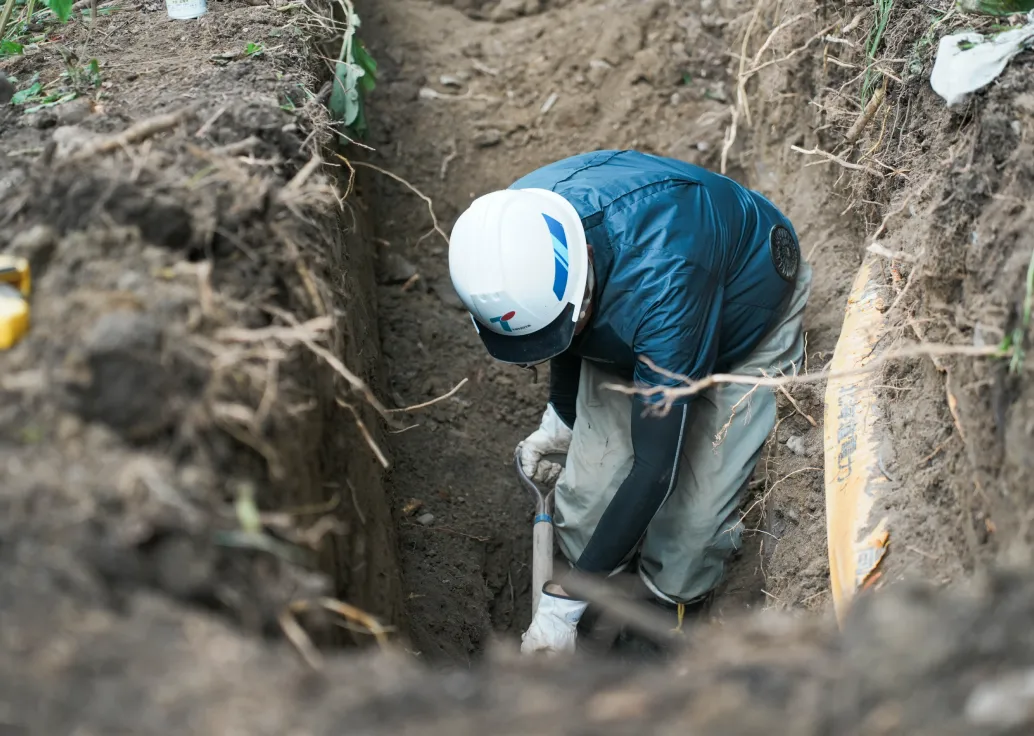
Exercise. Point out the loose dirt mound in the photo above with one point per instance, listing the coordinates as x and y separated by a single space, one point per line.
914 663
189 264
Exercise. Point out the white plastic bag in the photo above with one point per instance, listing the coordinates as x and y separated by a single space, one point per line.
967 62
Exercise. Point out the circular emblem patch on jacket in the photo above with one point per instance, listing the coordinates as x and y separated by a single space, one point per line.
786 253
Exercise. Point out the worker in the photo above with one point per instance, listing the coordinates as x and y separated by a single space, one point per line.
626 269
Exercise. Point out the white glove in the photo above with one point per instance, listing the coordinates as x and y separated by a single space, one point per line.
552 436
554 628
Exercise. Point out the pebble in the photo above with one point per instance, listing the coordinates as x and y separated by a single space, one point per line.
37 245
73 112
425 519
6 89
446 294
507 10
124 330
71 138
1005 702
795 443
395 269
488 138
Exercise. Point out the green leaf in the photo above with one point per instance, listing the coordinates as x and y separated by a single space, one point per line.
94 70
20 98
10 48
48 102
369 66
344 99
996 7
62 9
359 124
253 48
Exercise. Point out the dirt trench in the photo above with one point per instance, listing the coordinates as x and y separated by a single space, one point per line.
204 324
475 95
470 98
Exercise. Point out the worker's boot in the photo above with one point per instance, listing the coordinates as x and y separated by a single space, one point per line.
598 630
633 646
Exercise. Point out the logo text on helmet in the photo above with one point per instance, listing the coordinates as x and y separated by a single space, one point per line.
560 256
504 320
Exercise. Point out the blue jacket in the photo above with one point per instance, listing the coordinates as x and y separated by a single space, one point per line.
684 272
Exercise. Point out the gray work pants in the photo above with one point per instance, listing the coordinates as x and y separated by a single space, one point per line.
684 552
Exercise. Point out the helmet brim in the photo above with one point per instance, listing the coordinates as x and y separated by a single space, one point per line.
534 347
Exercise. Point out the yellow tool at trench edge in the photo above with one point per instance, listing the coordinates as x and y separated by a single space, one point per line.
15 288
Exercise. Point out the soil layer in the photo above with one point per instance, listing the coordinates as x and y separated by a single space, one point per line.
190 268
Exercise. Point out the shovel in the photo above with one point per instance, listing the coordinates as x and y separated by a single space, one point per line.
542 535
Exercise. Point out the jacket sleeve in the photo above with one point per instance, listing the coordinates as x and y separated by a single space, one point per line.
679 336
564 377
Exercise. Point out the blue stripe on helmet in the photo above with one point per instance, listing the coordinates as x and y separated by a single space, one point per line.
560 256
559 253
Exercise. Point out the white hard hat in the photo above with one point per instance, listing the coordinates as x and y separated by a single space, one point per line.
519 264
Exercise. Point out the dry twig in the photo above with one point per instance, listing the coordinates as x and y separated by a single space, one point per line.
425 404
133 134
623 609
203 130
754 70
894 255
723 431
774 33
357 384
312 328
365 432
838 160
764 497
417 192
299 179
692 388
238 147
793 402
297 636
730 137
346 611
870 109
741 81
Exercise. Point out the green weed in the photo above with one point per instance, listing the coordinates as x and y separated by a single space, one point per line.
1015 339
355 76
883 9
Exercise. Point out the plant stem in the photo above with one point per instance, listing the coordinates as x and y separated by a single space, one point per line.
6 16
1019 334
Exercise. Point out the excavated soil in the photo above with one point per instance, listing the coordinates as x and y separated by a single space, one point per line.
167 391
209 308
